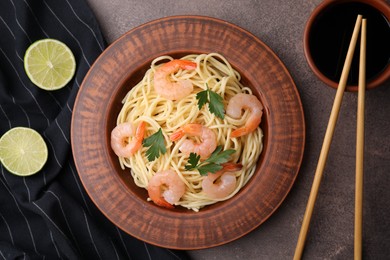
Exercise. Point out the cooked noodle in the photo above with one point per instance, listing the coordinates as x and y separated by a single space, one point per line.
142 103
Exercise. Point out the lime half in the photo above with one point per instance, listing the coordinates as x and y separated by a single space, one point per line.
23 151
49 64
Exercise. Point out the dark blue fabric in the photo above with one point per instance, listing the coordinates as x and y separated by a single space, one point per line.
49 215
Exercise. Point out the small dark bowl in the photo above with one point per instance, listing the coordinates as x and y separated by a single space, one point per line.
316 58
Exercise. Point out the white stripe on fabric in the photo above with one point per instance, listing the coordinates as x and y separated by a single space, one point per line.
63 134
94 35
71 34
1 253
36 19
20 79
17 21
55 99
77 83
28 118
123 242
8 228
66 220
24 111
2 172
51 221
54 243
90 235
21 212
5 114
20 58
28 190
78 186
147 250
54 151
9 29
13 99
172 253
70 109
44 177
116 252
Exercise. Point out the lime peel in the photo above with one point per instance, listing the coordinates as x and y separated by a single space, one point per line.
49 64
23 151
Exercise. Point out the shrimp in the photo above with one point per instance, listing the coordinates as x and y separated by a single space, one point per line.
173 90
245 101
166 188
220 184
205 148
120 138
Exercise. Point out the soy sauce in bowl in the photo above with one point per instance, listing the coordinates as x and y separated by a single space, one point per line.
330 34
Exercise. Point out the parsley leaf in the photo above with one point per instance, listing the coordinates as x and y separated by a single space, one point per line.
220 158
156 145
202 98
211 164
216 105
211 167
193 161
214 100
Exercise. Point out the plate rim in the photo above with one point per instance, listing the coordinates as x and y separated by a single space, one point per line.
235 27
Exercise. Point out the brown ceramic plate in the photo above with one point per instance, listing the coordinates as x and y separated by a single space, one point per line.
98 103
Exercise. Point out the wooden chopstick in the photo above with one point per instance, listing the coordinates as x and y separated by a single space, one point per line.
327 140
360 145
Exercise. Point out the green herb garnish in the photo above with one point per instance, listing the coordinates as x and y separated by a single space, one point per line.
211 164
156 145
214 100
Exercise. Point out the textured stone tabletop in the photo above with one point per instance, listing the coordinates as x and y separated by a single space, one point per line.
280 25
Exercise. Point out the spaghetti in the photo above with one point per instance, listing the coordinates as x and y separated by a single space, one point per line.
142 103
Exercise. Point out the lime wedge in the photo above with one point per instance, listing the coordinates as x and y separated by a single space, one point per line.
23 151
49 64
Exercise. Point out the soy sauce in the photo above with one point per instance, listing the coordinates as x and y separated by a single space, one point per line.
331 35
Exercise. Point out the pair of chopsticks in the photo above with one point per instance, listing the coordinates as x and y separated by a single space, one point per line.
360 23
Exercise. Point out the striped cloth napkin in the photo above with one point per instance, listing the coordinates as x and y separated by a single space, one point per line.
49 215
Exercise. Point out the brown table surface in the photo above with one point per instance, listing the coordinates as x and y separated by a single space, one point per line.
280 25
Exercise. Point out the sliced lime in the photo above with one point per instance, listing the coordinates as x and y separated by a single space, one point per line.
23 151
49 64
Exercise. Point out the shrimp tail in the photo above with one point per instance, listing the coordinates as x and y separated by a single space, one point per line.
166 188
245 101
155 195
177 135
239 132
185 64
138 138
169 89
203 148
222 183
231 167
125 141
140 132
